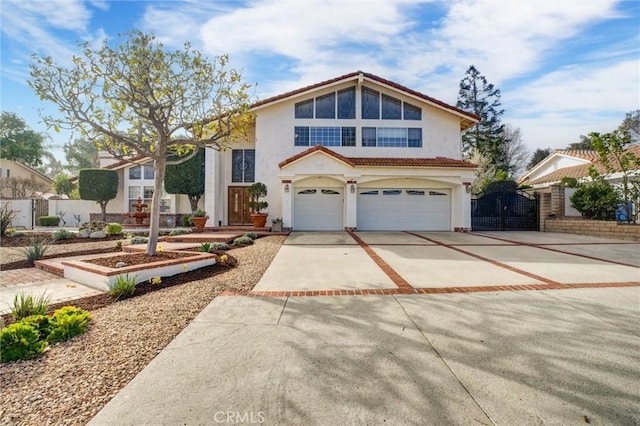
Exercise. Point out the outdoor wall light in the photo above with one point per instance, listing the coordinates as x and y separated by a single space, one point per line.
353 188
286 187
467 187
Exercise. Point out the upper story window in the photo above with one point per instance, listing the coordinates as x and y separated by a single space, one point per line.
137 172
243 165
325 136
347 103
394 137
412 112
391 108
370 104
376 106
341 105
304 109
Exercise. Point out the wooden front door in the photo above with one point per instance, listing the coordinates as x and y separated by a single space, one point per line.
239 213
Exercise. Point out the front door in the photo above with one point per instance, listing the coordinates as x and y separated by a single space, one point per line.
239 213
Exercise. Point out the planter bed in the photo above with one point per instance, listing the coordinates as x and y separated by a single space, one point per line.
164 264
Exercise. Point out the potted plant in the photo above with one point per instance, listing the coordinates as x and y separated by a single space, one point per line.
256 204
199 219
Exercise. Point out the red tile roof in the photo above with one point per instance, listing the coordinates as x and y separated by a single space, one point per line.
380 161
585 154
373 77
582 170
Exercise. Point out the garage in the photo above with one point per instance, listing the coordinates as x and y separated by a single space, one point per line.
421 209
318 209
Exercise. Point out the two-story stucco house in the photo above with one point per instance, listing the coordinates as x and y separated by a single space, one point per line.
354 152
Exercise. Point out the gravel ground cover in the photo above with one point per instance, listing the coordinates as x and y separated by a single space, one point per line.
74 379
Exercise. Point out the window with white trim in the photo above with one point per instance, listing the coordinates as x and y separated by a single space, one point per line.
394 137
381 106
340 104
325 136
140 186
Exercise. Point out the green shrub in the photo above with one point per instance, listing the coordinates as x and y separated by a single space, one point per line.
187 221
7 215
49 220
42 324
181 231
36 249
25 305
219 246
251 235
139 240
62 234
242 241
118 245
123 287
205 247
96 225
597 201
113 229
68 322
20 341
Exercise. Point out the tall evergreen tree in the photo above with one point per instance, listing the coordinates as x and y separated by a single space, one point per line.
538 155
478 96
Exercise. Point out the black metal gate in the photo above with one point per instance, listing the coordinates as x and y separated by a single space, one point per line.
38 208
505 210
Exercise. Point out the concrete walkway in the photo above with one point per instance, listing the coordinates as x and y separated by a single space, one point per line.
526 358
36 282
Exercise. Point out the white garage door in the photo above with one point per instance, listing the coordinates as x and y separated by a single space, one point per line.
404 209
317 209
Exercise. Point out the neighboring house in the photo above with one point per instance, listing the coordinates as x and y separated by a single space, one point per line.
18 180
570 163
354 152
573 164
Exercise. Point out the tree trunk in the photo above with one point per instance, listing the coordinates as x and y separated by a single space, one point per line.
103 207
193 200
154 218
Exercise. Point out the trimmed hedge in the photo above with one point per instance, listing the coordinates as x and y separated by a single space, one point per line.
48 220
98 184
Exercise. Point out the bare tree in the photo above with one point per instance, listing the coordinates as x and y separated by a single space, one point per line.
516 152
16 187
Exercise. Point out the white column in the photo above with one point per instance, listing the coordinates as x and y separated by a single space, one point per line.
461 208
211 193
351 205
287 192
466 207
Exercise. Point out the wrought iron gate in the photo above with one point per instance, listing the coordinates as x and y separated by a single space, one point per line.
39 208
505 211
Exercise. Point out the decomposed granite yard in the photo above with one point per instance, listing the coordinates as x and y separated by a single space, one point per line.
72 381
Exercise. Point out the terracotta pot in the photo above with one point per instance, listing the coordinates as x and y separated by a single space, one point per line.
199 221
259 219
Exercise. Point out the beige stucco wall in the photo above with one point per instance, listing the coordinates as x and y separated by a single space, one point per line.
17 170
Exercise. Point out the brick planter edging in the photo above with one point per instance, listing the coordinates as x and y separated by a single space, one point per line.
594 228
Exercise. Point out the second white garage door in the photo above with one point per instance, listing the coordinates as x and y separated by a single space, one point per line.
404 209
318 209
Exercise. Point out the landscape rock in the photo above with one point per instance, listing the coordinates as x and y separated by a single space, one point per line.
84 233
98 234
120 265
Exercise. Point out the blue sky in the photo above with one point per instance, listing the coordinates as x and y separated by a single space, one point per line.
565 67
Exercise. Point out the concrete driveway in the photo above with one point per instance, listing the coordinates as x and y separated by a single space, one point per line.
507 357
378 351
443 261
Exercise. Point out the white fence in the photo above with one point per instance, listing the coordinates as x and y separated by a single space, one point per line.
75 211
24 210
